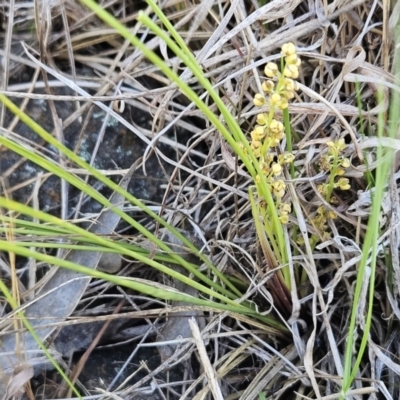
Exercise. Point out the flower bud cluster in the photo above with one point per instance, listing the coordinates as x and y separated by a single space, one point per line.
278 89
334 163
320 222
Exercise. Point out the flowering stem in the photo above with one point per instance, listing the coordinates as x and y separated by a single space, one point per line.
332 178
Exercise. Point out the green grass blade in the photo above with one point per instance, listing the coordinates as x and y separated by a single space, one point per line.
12 205
80 184
370 250
145 288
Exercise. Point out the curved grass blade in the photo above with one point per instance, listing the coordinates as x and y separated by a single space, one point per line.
52 167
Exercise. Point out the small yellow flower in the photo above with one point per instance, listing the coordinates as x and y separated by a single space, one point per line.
334 200
275 99
276 169
255 144
271 70
345 163
323 189
325 163
262 119
256 147
284 218
289 84
336 146
285 208
288 49
274 141
332 214
258 179
276 126
341 145
268 158
343 184
258 133
293 60
321 210
268 86
278 136
326 235
288 94
285 158
283 104
265 167
291 71
259 100
278 188
340 172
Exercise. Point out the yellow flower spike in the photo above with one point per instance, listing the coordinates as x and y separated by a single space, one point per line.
258 179
268 86
271 70
262 119
276 169
288 49
258 133
291 71
259 100
275 99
